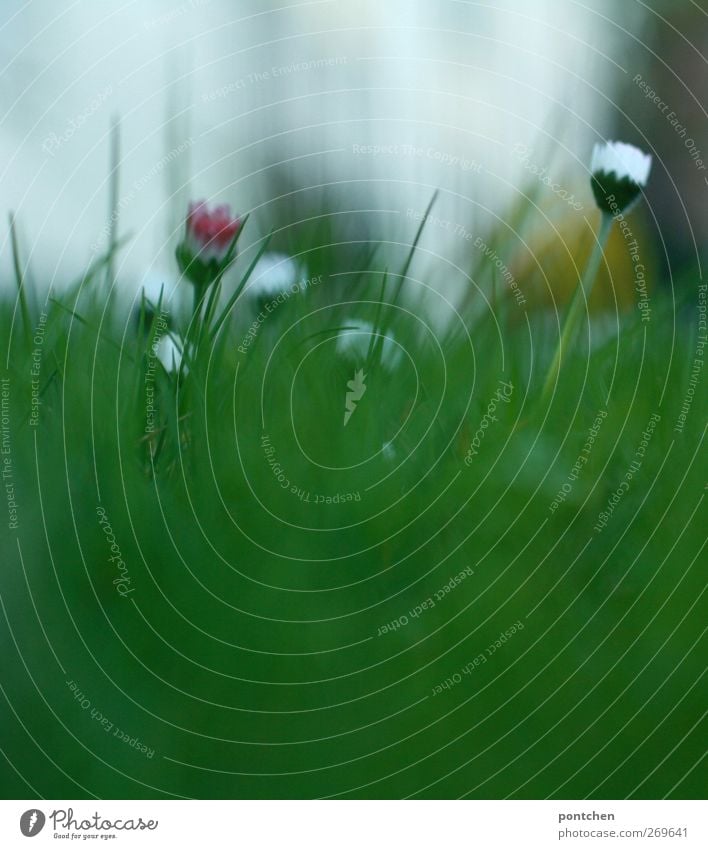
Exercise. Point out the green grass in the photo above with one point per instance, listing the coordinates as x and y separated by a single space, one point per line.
247 654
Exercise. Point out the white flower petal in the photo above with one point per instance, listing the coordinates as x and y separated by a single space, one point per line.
625 160
274 273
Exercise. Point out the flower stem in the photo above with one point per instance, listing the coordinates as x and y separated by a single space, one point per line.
198 296
575 311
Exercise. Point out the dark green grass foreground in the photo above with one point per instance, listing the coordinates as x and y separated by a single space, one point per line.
281 618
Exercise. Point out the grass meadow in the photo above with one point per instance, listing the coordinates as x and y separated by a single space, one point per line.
214 587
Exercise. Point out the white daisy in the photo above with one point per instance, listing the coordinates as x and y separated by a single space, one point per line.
274 273
624 160
619 173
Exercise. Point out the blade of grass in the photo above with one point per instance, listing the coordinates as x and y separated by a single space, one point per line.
376 342
232 300
414 246
19 278
93 327
113 194
156 310
404 271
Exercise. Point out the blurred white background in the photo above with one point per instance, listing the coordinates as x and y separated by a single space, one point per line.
221 100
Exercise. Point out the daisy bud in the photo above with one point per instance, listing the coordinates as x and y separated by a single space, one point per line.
208 246
619 173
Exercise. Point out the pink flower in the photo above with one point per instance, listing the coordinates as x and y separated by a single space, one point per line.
210 232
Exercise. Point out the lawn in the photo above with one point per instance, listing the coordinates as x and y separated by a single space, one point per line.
218 584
